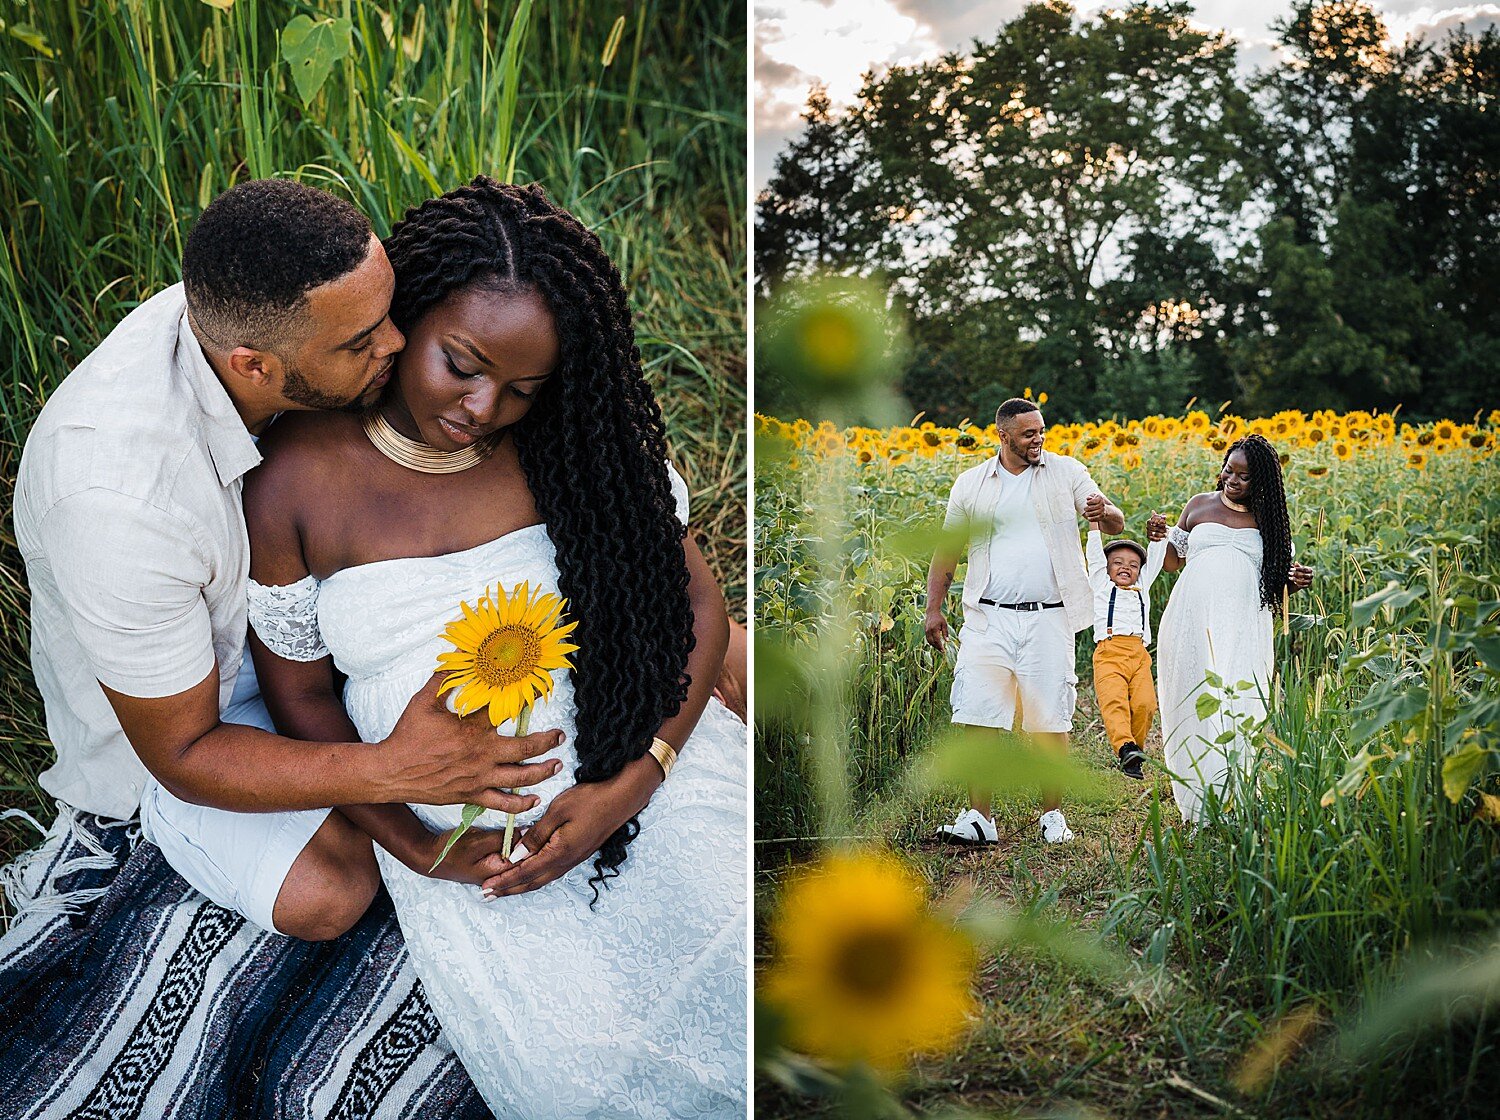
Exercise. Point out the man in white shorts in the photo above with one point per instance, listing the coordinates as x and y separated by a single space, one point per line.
128 516
1025 595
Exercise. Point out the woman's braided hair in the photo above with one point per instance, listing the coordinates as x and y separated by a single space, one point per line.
1268 504
593 449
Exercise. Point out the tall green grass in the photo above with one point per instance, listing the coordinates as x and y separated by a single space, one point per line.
123 118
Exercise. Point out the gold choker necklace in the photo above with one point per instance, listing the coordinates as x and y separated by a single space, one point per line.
422 457
1233 505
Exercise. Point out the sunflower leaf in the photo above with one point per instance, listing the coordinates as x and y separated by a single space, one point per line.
470 815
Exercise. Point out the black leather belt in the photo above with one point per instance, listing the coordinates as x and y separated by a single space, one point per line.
1020 606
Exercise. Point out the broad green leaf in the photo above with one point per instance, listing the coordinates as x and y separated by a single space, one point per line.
312 48
1207 705
1389 703
1488 651
1392 595
990 760
1461 767
780 678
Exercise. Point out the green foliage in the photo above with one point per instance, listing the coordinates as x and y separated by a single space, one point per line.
312 48
1037 198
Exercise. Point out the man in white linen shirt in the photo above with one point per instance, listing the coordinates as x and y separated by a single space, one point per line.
128 517
1025 595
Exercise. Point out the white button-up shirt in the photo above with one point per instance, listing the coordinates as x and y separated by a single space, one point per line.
128 517
1058 492
1132 606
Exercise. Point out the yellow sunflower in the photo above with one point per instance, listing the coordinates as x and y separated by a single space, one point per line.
1343 450
864 971
504 650
1416 460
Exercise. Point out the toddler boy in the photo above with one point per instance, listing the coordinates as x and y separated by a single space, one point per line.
1122 633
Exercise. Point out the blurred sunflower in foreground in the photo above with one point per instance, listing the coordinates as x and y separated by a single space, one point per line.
864 971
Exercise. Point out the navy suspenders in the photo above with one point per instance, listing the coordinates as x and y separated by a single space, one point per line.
1109 623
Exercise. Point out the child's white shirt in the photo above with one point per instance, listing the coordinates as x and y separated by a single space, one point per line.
1132 614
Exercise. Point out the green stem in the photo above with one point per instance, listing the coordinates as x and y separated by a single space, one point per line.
523 725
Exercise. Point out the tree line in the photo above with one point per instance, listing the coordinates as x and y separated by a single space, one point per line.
1113 209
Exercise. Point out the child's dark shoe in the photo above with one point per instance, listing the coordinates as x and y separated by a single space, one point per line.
1131 757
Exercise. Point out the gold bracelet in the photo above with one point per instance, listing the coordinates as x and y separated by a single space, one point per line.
665 754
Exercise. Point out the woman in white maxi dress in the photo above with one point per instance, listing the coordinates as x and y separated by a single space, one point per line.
561 1001
632 1008
1218 626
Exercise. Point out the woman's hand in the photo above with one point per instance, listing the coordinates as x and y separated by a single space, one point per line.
575 825
1300 576
473 859
1156 527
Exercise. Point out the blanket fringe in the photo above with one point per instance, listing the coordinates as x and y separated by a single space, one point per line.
30 881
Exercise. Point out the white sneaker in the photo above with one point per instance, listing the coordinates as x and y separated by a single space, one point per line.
971 827
1055 828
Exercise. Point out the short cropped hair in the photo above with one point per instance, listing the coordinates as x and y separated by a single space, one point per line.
255 253
1016 406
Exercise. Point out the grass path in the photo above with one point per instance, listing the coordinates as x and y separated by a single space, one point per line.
1049 1041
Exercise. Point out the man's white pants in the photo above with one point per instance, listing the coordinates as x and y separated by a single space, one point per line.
239 860
1016 659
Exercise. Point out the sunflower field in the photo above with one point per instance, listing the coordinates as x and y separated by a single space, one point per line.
1371 853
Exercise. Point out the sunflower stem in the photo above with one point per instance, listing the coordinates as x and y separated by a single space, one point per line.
523 725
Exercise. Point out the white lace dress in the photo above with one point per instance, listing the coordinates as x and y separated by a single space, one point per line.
635 1008
1213 622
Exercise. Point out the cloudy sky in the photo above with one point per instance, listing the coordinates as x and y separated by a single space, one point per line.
800 41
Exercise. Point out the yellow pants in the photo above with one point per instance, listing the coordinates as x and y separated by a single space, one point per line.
1127 696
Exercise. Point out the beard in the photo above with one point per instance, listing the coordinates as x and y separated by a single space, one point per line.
1021 449
296 388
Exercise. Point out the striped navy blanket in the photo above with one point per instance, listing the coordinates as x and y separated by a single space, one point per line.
126 994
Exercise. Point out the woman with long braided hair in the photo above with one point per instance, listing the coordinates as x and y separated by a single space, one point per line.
600 969
1236 543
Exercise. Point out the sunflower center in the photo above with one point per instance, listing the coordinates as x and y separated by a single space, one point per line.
509 654
873 963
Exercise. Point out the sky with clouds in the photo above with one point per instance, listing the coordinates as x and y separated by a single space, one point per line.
798 42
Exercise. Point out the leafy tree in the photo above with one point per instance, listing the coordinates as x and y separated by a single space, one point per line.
1336 56
1018 172
808 216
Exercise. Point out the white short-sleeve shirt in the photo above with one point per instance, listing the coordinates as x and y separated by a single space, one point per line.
128 517
1020 566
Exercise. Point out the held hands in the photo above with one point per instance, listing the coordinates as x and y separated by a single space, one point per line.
474 858
1093 509
434 758
1300 576
1156 527
576 824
